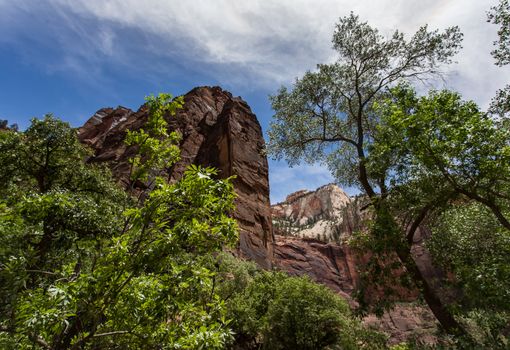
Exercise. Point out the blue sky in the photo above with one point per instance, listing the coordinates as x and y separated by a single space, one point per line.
74 57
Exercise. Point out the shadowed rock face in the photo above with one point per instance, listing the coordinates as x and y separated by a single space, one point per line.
337 266
330 264
217 130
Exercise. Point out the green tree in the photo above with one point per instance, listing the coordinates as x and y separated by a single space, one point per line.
500 15
444 147
306 315
468 241
157 149
83 266
330 116
54 209
271 310
450 168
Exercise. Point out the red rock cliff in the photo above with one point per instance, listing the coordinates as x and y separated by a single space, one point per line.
316 248
217 130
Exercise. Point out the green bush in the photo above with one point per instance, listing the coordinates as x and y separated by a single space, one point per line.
274 311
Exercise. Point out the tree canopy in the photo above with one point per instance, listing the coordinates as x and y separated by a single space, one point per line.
500 15
85 266
437 147
328 114
331 116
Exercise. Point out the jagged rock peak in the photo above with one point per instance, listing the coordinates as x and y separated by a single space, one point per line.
315 214
296 195
217 130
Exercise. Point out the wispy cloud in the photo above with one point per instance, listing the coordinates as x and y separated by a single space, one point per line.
241 45
244 43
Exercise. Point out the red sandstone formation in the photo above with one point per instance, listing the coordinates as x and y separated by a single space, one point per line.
330 264
217 130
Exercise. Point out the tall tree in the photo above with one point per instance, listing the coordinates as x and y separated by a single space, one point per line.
450 169
445 147
330 116
500 15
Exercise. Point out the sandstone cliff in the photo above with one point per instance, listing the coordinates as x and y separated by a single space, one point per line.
217 130
312 214
311 228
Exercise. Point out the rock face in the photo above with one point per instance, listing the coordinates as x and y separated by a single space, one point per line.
330 264
217 130
317 250
336 266
312 214
405 321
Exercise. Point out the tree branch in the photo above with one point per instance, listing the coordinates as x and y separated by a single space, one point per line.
107 334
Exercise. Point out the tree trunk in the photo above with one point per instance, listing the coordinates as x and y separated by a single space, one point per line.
438 308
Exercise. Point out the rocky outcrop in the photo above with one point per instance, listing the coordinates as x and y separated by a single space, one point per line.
217 130
330 264
406 321
336 266
312 214
319 251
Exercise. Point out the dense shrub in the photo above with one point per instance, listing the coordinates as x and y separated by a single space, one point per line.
271 310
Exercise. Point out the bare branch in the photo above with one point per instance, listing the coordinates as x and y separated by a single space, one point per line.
107 334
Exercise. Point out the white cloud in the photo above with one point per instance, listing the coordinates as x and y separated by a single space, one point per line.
243 45
265 43
260 42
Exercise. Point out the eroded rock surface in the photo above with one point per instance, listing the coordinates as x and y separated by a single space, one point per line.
330 264
217 130
312 214
319 251
405 321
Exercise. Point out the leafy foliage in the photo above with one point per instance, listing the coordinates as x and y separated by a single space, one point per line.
84 266
439 147
468 241
382 277
157 149
500 15
271 310
47 156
